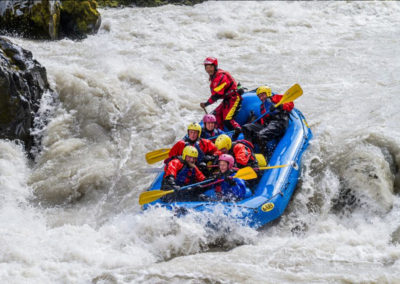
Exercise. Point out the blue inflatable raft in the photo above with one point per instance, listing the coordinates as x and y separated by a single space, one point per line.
276 186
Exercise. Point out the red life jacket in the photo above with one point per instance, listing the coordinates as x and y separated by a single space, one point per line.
222 86
252 162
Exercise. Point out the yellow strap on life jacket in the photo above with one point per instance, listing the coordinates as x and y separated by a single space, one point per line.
220 87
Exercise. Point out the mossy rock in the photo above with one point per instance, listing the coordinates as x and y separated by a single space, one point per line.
79 18
32 19
49 19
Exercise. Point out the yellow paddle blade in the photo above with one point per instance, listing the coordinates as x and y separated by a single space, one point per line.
272 167
261 160
290 95
152 195
157 155
246 173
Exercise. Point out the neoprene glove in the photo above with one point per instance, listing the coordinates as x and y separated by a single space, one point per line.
176 188
209 158
202 166
170 183
272 108
235 135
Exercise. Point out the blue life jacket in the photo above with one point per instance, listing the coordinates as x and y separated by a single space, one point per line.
266 106
207 135
200 158
186 175
239 190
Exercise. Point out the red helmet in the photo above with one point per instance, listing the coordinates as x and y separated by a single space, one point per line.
212 61
209 118
227 158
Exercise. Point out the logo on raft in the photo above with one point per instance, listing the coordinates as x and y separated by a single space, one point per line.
267 207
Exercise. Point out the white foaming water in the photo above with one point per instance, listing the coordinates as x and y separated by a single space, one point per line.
73 216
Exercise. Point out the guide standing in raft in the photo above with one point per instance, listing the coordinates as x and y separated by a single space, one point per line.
223 86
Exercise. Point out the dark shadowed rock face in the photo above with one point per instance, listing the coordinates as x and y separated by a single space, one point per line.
23 81
49 19
79 18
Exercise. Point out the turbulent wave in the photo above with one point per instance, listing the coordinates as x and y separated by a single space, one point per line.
73 215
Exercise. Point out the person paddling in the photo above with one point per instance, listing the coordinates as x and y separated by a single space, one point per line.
230 189
223 86
241 150
181 171
206 149
273 125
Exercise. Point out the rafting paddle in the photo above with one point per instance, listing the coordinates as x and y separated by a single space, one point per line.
157 155
152 195
272 167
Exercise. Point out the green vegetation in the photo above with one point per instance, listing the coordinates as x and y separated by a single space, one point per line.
145 3
48 19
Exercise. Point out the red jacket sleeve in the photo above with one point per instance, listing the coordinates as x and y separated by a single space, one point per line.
208 147
242 155
177 149
286 106
173 167
199 175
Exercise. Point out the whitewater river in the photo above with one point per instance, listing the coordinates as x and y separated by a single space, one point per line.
73 215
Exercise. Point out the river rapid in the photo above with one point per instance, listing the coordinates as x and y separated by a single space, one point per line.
73 216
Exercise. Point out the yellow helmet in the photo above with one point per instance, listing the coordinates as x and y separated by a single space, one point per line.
190 151
195 126
223 141
264 89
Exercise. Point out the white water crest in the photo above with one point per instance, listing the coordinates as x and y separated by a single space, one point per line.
73 216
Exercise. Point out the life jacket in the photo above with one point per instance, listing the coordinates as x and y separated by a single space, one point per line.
220 186
217 80
225 188
253 160
278 114
207 134
186 175
196 144
263 109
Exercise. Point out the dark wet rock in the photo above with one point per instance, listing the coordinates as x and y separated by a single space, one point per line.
23 81
145 3
346 201
396 236
79 18
49 19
